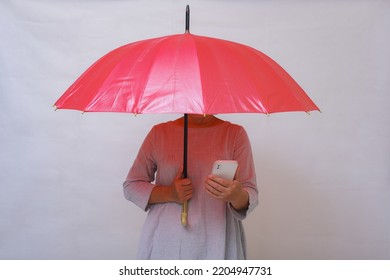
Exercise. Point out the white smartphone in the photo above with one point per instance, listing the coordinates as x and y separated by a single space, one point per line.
225 169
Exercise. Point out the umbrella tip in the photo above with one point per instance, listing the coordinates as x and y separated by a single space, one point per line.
55 107
187 19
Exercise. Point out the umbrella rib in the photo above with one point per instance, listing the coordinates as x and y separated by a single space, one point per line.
203 109
149 73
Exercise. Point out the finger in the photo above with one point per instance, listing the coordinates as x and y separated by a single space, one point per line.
185 188
237 175
186 196
214 193
179 173
214 188
218 180
185 182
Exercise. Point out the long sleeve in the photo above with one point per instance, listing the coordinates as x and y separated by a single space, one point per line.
138 184
246 173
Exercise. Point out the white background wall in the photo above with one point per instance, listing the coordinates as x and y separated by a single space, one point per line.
324 179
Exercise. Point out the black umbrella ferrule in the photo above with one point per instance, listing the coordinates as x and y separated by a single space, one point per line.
188 19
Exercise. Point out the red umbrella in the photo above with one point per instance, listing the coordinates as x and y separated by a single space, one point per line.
185 73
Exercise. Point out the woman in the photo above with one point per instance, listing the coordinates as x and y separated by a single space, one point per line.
216 206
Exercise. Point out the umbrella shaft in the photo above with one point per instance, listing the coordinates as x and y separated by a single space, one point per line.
185 145
184 212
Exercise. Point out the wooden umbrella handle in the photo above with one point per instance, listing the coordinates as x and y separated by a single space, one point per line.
184 213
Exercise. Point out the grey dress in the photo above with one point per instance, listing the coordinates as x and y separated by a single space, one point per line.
214 229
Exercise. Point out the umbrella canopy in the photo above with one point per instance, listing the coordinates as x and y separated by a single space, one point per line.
186 73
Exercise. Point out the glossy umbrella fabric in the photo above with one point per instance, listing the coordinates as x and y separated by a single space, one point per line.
185 73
